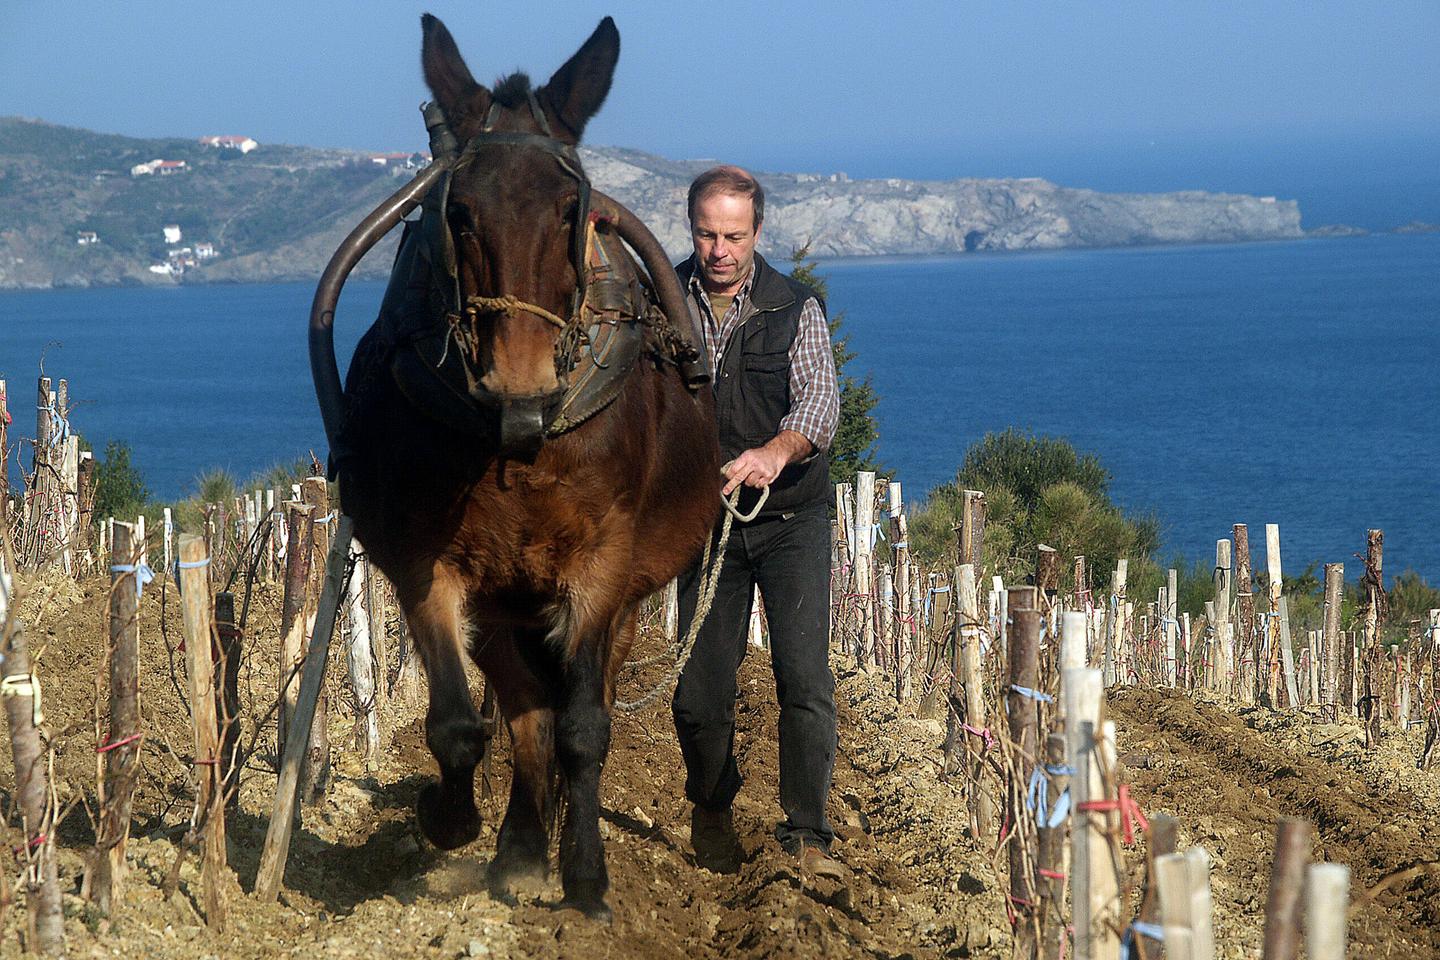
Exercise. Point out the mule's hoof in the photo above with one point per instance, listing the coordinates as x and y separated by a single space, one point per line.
594 909
505 874
447 823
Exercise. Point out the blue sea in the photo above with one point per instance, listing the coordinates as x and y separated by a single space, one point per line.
1295 383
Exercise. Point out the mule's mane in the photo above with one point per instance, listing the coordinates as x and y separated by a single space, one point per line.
513 91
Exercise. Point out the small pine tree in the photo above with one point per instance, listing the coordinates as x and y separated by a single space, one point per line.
853 448
120 490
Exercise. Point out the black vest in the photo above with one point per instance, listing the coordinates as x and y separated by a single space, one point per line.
752 385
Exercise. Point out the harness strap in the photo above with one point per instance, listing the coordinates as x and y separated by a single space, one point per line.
509 304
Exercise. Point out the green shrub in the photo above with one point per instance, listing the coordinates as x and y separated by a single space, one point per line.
1037 490
1029 465
120 489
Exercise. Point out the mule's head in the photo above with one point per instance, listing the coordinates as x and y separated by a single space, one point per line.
511 211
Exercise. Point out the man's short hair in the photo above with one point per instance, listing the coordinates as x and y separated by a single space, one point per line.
727 179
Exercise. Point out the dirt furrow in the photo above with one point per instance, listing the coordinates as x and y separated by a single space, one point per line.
1227 775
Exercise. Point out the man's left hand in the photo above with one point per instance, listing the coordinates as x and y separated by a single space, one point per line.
760 466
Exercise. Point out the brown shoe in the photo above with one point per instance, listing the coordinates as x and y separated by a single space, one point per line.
717 845
815 862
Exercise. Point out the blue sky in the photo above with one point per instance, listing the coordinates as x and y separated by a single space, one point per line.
1336 103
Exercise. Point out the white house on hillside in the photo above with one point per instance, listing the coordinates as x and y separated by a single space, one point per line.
230 142
164 167
172 233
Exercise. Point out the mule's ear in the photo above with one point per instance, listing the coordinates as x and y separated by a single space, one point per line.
448 78
577 89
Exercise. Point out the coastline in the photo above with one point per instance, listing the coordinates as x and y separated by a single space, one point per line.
841 262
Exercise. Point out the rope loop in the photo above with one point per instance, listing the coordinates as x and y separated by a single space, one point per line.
709 580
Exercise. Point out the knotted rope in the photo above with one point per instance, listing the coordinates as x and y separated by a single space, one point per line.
709 580
508 304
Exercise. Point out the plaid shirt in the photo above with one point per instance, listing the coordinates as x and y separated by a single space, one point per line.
814 396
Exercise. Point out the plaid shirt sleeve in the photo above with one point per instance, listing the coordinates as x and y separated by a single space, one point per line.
814 396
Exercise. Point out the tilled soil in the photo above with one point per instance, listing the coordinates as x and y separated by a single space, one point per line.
1227 776
361 882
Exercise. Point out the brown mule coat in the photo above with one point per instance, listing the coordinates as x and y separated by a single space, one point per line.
532 569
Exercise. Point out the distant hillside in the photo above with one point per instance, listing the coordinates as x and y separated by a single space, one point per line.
72 213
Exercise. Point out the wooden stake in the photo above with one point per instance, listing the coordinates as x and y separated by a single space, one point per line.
944 652
282 815
671 607
1072 649
906 636
1095 890
1187 678
315 776
1327 908
1287 656
885 620
757 628
1172 626
407 682
1023 710
1330 677
199 648
982 798
1047 575
1163 838
230 650
1186 909
272 536
69 504
1431 707
864 563
1312 668
972 529
300 539
1114 623
1374 584
1293 840
361 660
1245 603
1224 632
1274 588
1051 853
1348 674
121 751
32 781
85 510
377 589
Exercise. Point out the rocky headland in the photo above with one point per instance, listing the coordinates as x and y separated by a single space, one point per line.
79 209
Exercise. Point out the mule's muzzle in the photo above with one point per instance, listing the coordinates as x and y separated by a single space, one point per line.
524 421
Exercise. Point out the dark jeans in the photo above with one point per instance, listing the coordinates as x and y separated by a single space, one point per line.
789 558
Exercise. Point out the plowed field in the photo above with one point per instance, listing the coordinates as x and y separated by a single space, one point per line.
360 882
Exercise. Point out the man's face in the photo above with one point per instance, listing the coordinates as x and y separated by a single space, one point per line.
724 233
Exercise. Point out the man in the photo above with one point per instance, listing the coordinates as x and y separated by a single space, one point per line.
776 407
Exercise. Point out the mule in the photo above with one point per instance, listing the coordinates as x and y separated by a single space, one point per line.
521 512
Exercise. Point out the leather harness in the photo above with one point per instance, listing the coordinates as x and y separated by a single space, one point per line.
430 334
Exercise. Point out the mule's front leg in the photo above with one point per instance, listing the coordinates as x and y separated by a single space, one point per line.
525 689
582 738
453 729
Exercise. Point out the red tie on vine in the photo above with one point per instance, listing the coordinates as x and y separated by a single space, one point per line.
1129 810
